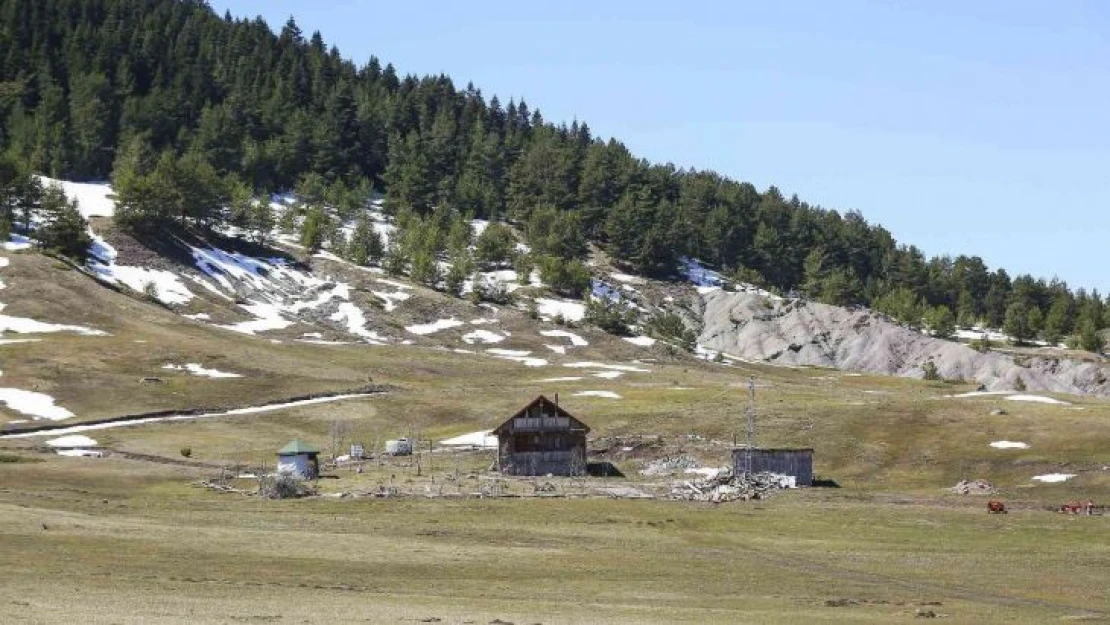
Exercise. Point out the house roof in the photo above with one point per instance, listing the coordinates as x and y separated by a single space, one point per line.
296 447
577 424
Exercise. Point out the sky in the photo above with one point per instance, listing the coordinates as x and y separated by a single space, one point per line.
977 128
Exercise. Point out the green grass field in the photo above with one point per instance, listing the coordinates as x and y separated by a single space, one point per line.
131 538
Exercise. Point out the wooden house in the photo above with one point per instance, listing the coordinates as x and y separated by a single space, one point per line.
298 458
542 439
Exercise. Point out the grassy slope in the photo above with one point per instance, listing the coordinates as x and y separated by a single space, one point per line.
129 541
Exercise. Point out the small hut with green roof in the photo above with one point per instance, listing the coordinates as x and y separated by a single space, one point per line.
298 458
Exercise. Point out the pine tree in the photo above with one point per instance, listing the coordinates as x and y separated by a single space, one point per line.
366 246
63 229
1016 323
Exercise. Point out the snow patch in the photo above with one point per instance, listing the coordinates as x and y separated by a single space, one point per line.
482 336
601 365
558 349
575 340
484 439
563 379
17 242
433 327
521 356
92 197
1040 399
37 405
571 311
167 286
1054 477
1009 445
80 453
199 370
269 317
73 440
356 323
604 394
642 341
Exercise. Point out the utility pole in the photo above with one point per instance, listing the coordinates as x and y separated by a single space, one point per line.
751 425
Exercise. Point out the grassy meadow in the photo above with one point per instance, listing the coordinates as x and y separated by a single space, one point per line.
131 538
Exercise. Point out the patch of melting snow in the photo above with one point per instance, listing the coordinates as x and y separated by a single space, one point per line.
36 405
608 375
92 197
642 341
356 323
521 356
981 394
269 317
433 327
482 336
23 325
1009 445
14 341
166 285
73 440
199 317
601 365
484 439
76 429
199 370
563 379
459 350
575 340
390 300
17 242
1040 399
80 453
558 349
604 394
1054 477
571 311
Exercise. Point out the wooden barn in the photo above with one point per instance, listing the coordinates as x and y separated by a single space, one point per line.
542 439
794 462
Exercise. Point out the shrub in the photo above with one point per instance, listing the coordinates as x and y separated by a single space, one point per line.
1019 384
930 370
150 291
186 452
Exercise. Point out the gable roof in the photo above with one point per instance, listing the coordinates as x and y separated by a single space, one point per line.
549 405
296 447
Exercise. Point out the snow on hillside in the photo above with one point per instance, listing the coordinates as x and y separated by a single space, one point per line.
92 197
200 370
36 405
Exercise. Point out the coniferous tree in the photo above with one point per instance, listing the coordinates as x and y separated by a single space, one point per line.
63 228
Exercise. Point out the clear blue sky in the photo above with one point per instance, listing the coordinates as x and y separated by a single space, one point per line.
962 127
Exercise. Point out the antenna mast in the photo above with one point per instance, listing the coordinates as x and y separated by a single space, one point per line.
751 425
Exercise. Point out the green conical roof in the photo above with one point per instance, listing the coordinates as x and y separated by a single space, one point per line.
296 447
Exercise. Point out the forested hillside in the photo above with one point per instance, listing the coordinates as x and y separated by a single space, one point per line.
191 114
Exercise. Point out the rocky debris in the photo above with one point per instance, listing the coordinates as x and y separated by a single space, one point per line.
974 487
669 465
728 487
799 332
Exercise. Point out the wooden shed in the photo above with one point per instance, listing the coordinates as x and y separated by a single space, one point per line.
794 462
299 458
542 439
